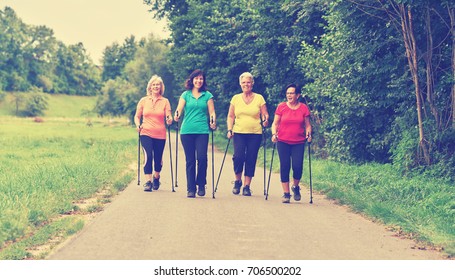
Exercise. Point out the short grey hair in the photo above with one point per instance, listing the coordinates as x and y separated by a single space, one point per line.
246 75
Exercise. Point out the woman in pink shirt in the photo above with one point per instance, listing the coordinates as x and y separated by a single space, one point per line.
151 113
290 130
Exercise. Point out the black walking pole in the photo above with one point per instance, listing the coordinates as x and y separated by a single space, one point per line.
177 150
213 163
309 164
264 137
170 155
222 163
139 157
270 171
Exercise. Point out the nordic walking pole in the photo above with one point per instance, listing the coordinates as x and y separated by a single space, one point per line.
222 163
270 171
309 164
170 154
139 157
265 142
213 163
177 149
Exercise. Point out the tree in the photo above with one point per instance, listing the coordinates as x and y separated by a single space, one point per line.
30 56
112 100
36 104
115 58
75 72
426 29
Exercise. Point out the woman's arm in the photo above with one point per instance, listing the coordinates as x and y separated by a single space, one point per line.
212 114
230 121
308 128
264 116
137 116
168 113
178 111
275 126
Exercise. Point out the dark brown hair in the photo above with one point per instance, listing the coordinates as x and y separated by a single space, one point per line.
189 82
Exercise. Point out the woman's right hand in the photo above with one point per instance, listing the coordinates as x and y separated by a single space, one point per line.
229 134
138 128
274 138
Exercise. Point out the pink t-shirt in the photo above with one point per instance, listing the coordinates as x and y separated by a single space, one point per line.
153 114
291 129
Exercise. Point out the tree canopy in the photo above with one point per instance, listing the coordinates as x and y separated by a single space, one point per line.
378 75
31 57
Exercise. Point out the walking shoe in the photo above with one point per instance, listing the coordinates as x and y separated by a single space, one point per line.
296 191
246 191
191 194
201 191
286 197
156 183
148 186
237 186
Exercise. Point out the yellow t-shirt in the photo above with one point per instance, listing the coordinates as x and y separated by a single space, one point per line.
247 116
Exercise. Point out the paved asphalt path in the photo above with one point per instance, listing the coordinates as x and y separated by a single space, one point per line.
166 225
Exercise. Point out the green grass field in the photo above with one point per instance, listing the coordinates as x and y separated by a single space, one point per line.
60 106
48 167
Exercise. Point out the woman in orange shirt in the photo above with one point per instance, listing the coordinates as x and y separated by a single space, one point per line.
154 110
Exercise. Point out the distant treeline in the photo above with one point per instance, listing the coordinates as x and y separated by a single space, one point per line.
31 57
33 60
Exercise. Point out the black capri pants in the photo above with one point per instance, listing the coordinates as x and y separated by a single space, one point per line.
153 151
246 148
290 154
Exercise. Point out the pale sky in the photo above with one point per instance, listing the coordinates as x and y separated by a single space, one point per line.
95 23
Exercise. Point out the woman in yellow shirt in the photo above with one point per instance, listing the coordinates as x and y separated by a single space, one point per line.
246 118
153 109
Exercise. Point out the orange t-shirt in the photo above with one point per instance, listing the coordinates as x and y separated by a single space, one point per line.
153 113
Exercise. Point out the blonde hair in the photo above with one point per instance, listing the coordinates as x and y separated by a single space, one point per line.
153 79
246 75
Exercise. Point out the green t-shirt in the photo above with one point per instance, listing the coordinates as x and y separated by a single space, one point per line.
195 120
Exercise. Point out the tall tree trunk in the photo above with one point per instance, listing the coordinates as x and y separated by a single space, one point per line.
452 30
429 66
411 54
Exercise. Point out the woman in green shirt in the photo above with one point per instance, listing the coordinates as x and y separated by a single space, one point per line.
199 117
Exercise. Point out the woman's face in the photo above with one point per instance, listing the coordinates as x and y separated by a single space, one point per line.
198 81
246 83
155 88
291 95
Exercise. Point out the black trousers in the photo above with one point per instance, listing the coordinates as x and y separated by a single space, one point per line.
153 151
246 148
290 155
195 147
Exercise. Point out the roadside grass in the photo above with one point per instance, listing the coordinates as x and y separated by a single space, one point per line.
418 207
48 236
50 167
